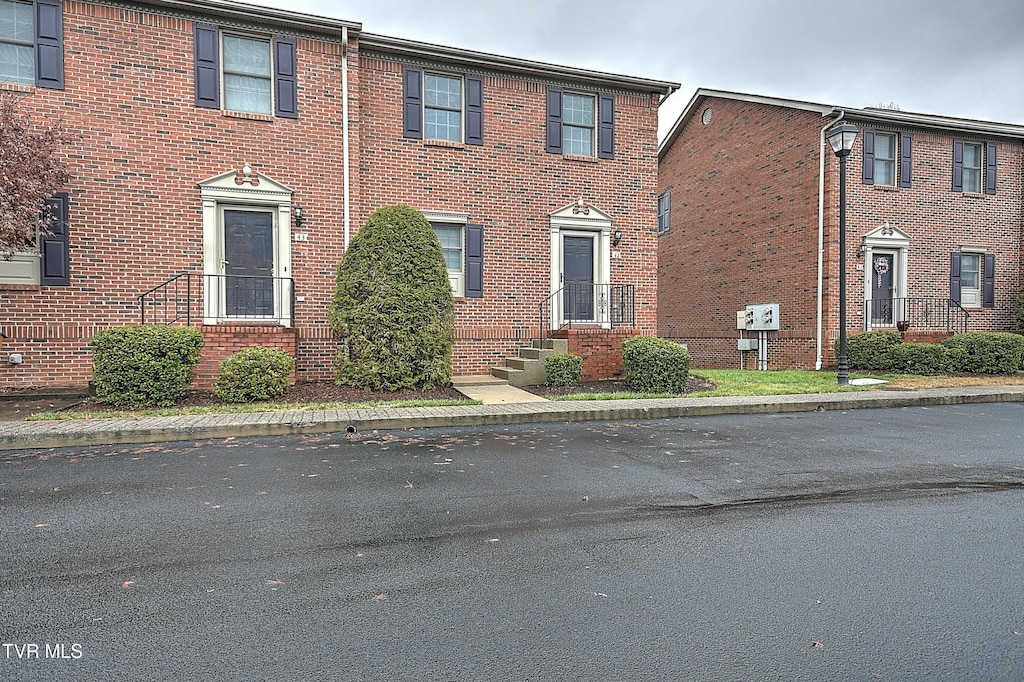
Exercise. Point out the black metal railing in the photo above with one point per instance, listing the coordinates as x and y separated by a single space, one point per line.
196 296
915 313
611 304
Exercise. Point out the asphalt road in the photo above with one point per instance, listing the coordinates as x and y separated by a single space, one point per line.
874 544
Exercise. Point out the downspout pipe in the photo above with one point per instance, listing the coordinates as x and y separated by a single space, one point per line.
345 134
822 149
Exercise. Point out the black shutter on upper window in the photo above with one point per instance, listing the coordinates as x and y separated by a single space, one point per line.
988 289
286 93
868 175
606 127
54 245
49 38
906 159
412 103
207 66
954 276
958 167
474 261
990 168
474 110
554 119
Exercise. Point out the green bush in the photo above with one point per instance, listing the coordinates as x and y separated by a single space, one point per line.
987 352
258 373
144 366
869 350
918 358
393 305
565 369
655 365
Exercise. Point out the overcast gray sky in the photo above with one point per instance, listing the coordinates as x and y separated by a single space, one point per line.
946 57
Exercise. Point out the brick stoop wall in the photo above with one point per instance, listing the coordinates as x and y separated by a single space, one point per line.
925 336
601 350
219 343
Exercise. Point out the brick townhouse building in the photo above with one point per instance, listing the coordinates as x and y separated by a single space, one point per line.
225 154
749 214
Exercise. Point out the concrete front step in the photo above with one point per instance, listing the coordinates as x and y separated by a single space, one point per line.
528 368
477 380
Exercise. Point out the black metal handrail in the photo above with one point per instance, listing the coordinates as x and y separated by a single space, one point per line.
612 304
924 312
194 296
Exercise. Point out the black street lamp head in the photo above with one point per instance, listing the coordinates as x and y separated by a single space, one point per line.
841 137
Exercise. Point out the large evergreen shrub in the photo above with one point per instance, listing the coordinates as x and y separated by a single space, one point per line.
393 305
918 358
987 352
148 365
257 373
654 365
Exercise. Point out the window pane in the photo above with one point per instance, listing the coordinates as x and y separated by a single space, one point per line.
245 93
451 244
16 21
577 141
972 156
885 172
247 55
443 125
969 270
17 64
972 179
578 110
443 91
885 146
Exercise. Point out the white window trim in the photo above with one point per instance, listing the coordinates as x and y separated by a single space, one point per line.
223 72
979 169
457 278
594 131
462 107
974 292
221 192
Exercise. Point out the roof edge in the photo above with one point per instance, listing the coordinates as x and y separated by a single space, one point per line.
473 58
260 14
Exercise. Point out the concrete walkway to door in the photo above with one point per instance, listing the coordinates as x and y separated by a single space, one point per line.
491 390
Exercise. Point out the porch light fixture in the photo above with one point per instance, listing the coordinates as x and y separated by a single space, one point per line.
616 237
841 138
299 218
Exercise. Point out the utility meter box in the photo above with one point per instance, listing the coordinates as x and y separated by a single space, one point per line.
747 344
763 317
741 319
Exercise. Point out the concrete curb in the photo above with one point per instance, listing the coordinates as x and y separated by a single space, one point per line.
88 432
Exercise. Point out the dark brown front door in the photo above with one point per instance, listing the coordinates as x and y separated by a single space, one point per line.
578 278
249 263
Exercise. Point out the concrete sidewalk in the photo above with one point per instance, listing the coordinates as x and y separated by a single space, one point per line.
84 432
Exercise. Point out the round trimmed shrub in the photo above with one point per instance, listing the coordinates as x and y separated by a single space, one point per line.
258 373
870 350
144 365
564 369
655 365
987 352
393 305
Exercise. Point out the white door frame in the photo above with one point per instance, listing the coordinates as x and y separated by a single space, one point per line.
571 221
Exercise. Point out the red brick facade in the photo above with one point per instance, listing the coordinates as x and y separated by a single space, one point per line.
744 184
142 148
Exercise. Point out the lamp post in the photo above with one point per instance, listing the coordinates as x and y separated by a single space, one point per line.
841 137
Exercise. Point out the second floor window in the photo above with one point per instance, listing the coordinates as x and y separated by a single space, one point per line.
664 207
17 43
442 108
885 159
247 74
578 124
972 167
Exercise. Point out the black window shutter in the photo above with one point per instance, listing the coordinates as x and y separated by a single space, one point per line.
286 94
988 291
412 102
554 118
49 44
207 66
990 168
954 276
958 168
868 174
474 110
474 261
54 245
906 159
606 127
